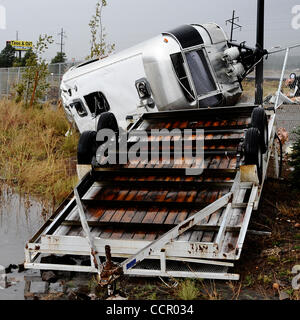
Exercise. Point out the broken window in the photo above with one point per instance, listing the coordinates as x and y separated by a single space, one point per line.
177 61
97 103
79 107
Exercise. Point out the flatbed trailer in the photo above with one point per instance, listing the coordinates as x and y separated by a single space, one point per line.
152 219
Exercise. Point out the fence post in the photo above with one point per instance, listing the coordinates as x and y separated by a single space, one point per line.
19 71
7 84
59 71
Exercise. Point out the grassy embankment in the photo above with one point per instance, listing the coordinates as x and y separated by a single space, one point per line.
35 155
270 87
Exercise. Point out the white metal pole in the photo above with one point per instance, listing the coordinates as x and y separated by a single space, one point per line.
281 78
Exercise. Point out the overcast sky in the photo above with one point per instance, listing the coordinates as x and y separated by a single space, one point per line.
132 21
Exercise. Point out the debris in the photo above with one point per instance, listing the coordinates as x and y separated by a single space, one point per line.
38 287
21 268
72 295
283 295
276 286
10 268
56 288
52 296
283 135
116 297
93 296
271 252
49 276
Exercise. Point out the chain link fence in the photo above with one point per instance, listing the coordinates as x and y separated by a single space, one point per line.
10 78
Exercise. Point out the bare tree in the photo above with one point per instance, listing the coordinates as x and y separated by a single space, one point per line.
99 47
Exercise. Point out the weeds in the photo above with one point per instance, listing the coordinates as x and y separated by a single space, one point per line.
210 289
187 290
35 156
249 281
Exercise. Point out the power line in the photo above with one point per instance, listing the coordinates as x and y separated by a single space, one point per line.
234 25
62 35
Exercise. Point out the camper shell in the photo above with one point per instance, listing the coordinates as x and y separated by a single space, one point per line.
192 66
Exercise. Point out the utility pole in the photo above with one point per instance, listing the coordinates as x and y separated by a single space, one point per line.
17 38
259 70
234 25
62 35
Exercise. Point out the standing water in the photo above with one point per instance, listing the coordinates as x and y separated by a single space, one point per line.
20 219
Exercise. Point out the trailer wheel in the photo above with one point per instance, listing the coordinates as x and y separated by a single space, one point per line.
108 120
259 120
252 150
86 147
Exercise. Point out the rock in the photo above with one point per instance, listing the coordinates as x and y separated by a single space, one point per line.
49 276
56 288
38 287
283 295
297 225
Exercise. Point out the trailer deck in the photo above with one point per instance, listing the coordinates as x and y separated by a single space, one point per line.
156 220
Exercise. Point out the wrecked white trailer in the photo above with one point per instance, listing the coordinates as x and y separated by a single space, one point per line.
193 66
152 219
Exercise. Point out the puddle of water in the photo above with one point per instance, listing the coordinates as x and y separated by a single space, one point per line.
20 219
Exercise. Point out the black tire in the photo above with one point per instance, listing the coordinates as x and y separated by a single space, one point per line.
252 150
86 147
259 120
108 120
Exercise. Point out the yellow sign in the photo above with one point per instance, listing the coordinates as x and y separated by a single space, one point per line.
21 45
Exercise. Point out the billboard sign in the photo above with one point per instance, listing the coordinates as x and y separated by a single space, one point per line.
21 45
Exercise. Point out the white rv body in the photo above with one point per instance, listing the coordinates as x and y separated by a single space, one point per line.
180 77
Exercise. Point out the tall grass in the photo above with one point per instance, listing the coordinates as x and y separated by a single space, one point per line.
187 290
35 155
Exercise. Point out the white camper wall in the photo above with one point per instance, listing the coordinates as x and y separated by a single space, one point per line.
117 82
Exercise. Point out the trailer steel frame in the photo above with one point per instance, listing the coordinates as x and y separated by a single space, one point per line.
178 243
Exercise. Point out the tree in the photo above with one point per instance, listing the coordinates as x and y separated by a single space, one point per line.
59 58
22 62
7 57
99 47
295 161
34 84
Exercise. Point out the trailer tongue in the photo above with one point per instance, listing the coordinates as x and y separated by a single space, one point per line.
151 218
